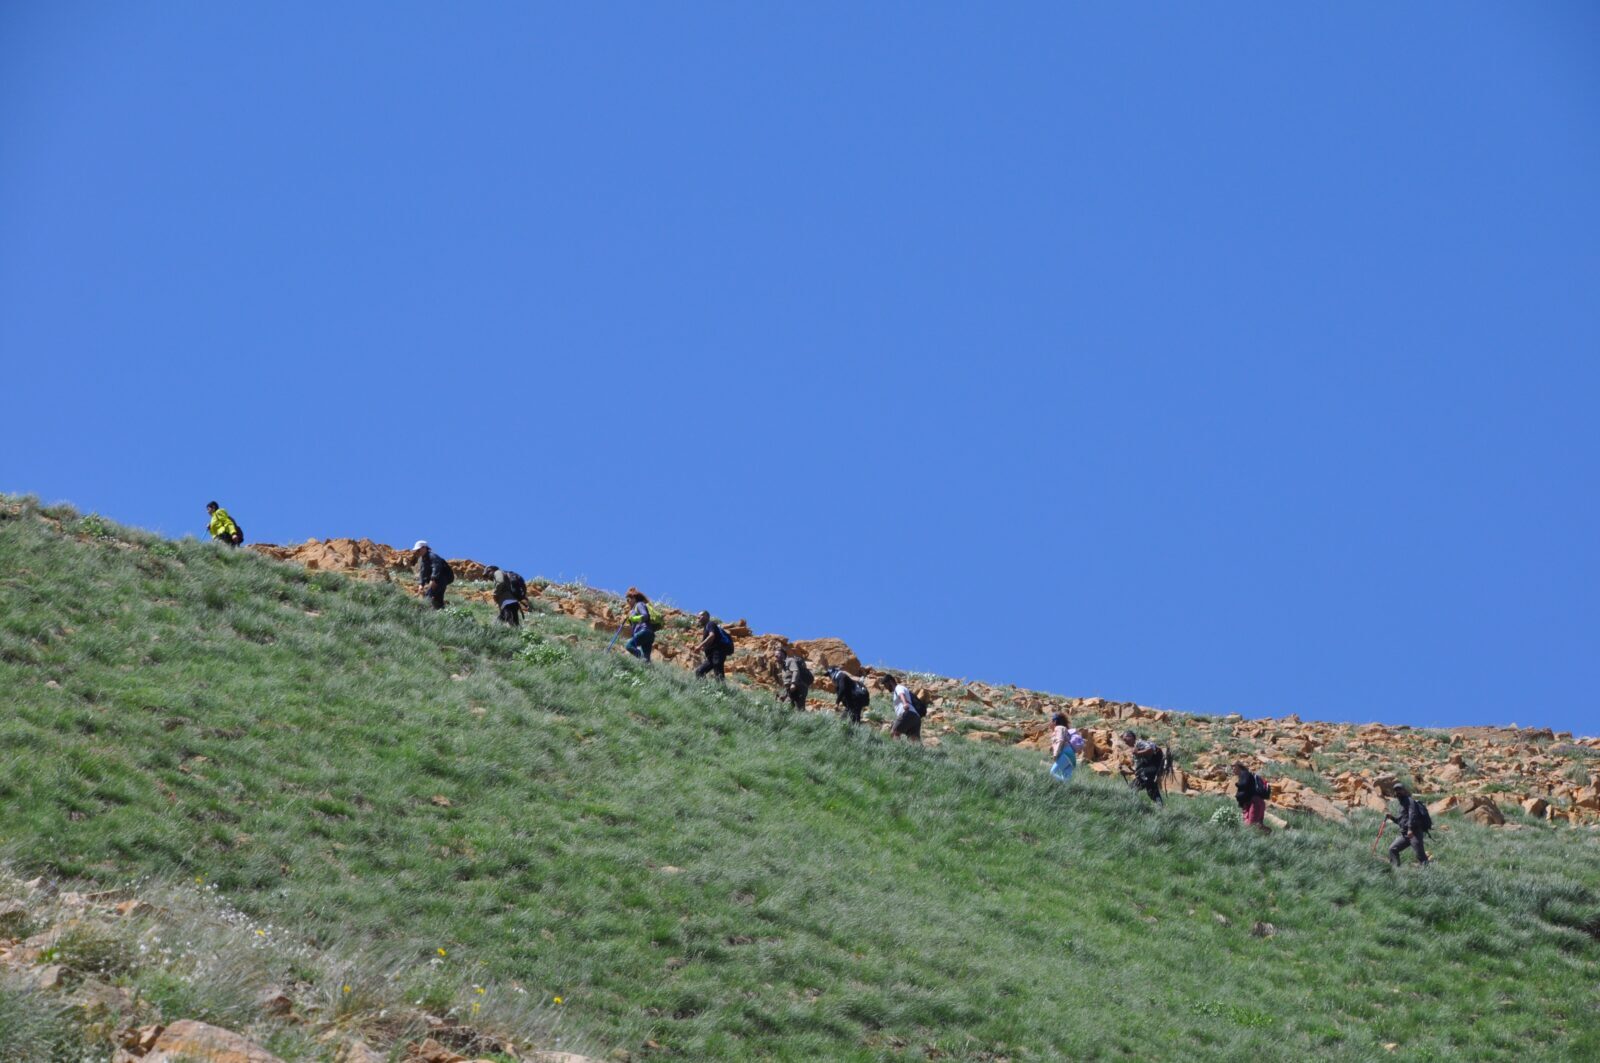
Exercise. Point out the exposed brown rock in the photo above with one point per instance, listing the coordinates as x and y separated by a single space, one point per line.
829 653
187 1040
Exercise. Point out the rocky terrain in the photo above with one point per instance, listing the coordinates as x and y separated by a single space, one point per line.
83 950
1321 768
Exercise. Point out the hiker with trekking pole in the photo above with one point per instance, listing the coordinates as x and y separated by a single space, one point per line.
1414 822
715 646
646 620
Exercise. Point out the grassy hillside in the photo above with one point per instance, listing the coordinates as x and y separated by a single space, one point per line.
700 875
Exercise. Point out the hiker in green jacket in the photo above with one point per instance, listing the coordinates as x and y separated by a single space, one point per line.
223 528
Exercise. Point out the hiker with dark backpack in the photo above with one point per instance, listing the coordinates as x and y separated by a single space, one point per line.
1414 821
1150 764
434 573
851 693
795 678
223 528
716 646
1250 792
646 620
510 595
908 712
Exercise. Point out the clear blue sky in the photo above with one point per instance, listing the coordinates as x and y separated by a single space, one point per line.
1236 357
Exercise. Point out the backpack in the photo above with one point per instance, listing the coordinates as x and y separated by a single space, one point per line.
858 696
237 538
443 573
1260 788
519 586
654 617
918 706
724 639
800 676
1421 818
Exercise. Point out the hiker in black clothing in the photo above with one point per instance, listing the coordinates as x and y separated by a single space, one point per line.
716 645
795 678
510 595
433 573
1414 823
851 693
1250 793
1149 761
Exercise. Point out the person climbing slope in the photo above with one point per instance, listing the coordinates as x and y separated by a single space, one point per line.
646 619
223 528
1250 792
908 713
434 573
1149 764
715 645
850 692
1414 822
510 595
1065 742
795 678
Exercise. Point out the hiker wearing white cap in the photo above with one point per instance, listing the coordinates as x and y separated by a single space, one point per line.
433 574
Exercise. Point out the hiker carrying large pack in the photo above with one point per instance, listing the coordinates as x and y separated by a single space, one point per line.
908 713
1150 764
1414 821
1250 793
646 620
851 693
795 677
510 595
434 573
1065 743
223 528
715 645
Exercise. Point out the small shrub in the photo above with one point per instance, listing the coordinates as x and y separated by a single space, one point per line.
91 948
538 651
95 527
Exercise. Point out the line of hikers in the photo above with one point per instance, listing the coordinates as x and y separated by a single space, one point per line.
795 677
1152 763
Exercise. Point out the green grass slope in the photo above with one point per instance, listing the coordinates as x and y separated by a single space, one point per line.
699 875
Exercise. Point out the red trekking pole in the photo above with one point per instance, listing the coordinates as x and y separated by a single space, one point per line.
1381 824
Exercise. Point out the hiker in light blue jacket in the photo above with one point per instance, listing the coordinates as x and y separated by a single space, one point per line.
1065 742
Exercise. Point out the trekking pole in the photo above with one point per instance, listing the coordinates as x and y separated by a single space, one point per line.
1381 824
617 636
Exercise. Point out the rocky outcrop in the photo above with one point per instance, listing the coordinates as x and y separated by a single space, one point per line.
188 1040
